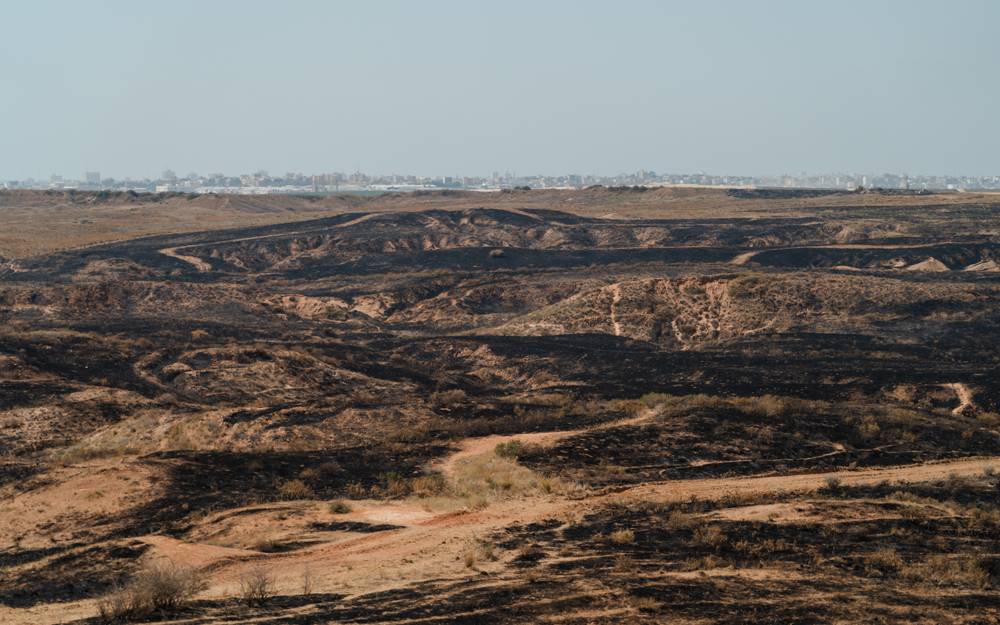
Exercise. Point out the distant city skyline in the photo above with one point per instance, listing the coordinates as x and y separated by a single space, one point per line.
260 181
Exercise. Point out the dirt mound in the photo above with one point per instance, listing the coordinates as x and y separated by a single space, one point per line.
931 264
693 312
984 265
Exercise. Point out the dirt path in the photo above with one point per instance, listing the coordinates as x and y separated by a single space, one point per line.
964 395
742 259
472 447
616 296
680 490
198 263
745 257
432 547
430 544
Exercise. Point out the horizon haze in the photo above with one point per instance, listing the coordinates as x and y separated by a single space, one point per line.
467 89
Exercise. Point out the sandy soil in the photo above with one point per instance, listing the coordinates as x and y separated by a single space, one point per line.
433 535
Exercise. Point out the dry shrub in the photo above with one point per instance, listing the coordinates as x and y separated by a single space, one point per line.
710 536
514 449
478 551
443 399
679 520
645 604
868 428
831 485
307 581
256 587
767 405
651 400
158 587
622 537
199 335
339 506
944 570
990 418
355 490
428 485
885 560
395 485
295 489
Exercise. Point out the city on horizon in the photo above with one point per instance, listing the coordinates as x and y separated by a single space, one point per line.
261 182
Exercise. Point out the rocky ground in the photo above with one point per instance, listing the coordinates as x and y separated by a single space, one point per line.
594 406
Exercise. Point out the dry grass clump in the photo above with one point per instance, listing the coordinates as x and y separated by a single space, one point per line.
199 334
711 536
295 489
447 399
514 449
885 561
622 537
478 551
678 520
339 506
158 587
428 485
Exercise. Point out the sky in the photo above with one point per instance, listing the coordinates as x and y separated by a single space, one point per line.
469 87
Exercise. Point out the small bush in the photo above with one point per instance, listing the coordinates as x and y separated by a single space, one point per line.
428 485
678 520
622 537
444 399
831 485
710 536
511 449
295 489
199 335
885 560
869 428
159 587
477 551
339 506
256 587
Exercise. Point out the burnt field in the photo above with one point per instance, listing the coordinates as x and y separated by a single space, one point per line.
417 410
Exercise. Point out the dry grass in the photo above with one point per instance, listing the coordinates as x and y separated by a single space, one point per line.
494 477
477 551
885 560
948 570
622 537
295 489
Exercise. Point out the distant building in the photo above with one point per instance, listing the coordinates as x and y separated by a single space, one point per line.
92 178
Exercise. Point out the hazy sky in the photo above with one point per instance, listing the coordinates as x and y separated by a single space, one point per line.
470 87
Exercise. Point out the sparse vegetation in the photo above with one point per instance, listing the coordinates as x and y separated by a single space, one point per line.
295 398
158 587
